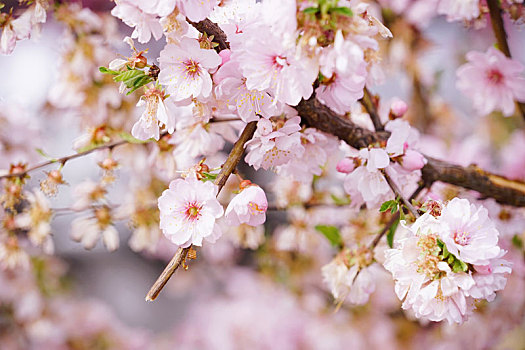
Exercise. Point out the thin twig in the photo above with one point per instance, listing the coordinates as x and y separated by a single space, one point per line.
65 159
399 194
169 270
498 27
227 168
111 145
394 219
368 102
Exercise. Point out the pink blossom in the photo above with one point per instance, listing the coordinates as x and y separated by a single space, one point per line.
248 207
146 24
344 67
271 63
412 160
317 148
458 10
157 112
196 10
468 232
272 147
366 183
345 165
185 69
248 104
398 108
188 210
492 81
402 136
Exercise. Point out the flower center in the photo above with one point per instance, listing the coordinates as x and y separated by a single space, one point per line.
255 209
461 238
191 68
192 211
495 76
279 62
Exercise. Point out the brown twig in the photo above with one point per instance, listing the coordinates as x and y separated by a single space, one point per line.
498 27
111 145
65 159
169 270
399 194
227 168
394 219
368 102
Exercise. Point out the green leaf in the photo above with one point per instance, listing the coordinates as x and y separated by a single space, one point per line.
45 155
517 241
445 251
107 71
340 201
459 266
345 11
388 205
311 10
332 234
391 232
129 138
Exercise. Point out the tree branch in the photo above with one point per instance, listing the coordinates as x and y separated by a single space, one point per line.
368 102
317 115
227 168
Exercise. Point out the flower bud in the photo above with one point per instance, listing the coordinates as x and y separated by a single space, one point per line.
398 108
412 160
345 165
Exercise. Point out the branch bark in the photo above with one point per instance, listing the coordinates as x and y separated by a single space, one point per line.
317 115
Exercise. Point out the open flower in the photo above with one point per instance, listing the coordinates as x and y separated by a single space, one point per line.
157 114
273 145
492 81
185 69
248 207
468 232
188 210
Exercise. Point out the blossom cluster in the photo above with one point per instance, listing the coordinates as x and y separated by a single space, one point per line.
448 259
365 181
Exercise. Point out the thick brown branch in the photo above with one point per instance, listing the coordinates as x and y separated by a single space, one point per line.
316 115
503 190
210 28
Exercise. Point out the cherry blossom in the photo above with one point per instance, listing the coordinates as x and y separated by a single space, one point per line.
248 207
492 81
431 273
157 114
457 10
185 69
272 146
133 13
468 232
188 210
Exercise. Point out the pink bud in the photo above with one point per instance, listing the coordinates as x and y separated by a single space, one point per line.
412 160
225 55
398 108
484 270
345 165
